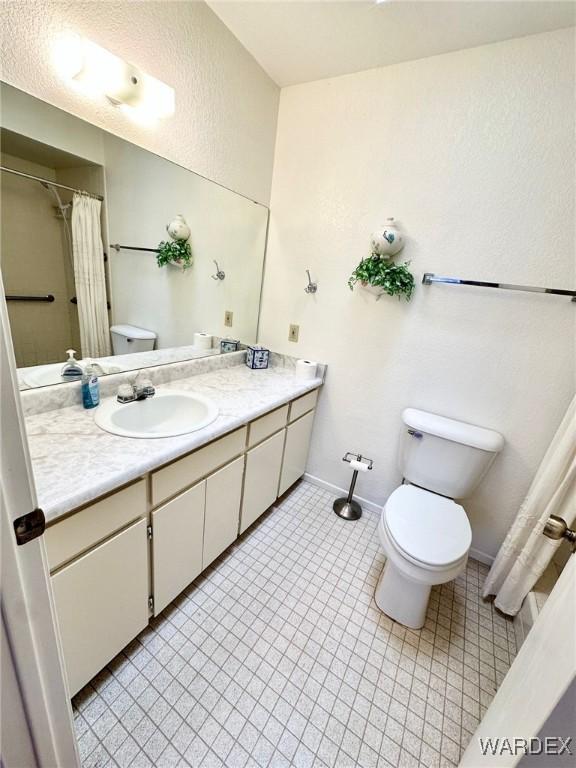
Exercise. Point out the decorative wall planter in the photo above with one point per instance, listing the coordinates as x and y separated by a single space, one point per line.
377 273
374 289
178 229
388 240
176 252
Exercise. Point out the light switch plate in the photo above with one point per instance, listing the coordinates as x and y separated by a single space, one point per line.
293 332
228 317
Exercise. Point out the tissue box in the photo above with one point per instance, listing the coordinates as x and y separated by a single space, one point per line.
229 345
257 357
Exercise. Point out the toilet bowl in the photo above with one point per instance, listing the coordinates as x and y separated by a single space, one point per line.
425 534
426 539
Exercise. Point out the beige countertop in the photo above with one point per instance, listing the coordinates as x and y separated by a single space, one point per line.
75 462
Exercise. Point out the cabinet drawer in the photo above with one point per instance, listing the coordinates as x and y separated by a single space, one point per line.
178 530
81 531
175 477
303 404
296 451
266 425
222 514
102 603
263 465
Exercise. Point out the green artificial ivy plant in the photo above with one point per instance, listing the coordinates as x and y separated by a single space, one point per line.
393 279
176 252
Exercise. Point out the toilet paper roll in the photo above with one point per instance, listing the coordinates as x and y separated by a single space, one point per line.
359 465
306 369
203 340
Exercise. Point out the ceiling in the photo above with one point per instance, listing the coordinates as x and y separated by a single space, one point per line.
299 41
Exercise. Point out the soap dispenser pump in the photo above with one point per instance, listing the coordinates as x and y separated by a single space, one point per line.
72 370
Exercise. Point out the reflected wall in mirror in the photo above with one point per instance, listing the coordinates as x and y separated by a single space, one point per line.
83 214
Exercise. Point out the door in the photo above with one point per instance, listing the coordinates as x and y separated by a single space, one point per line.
36 665
102 602
177 534
222 513
263 465
536 682
296 451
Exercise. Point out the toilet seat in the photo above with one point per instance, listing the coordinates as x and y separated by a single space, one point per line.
428 529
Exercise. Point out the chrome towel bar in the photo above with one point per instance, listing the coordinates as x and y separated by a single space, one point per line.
118 247
430 277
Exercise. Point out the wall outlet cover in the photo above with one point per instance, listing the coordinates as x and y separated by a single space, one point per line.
293 332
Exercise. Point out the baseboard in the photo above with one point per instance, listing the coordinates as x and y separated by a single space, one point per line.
482 557
364 503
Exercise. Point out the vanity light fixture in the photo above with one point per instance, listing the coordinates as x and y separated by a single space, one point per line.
98 72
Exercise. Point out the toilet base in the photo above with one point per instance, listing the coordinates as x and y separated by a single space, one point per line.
401 599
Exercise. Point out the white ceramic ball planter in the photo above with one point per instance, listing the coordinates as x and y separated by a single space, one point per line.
387 241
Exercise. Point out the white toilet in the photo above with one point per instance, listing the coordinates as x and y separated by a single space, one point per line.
425 534
130 338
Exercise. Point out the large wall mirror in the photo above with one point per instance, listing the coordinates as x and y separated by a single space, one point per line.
83 215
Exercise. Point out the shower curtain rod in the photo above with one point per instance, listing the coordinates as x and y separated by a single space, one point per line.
51 183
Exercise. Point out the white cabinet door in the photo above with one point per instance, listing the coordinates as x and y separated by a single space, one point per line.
222 514
102 602
296 451
263 465
177 533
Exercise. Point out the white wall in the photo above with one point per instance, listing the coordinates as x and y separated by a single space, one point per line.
474 153
226 106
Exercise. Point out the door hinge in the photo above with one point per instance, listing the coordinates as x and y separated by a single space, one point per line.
149 532
29 526
151 604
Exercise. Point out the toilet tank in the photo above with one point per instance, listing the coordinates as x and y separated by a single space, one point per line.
444 455
130 338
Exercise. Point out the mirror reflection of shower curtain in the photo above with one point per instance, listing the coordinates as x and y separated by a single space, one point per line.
90 276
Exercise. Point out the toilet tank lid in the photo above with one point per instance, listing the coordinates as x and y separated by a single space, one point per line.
451 429
132 332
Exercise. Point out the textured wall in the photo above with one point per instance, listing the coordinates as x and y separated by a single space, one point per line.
474 153
226 106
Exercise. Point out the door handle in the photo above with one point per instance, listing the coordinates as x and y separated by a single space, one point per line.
556 528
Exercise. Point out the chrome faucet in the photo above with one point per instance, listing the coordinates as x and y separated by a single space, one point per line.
141 389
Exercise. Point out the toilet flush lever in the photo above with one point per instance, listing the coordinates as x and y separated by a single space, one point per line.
414 433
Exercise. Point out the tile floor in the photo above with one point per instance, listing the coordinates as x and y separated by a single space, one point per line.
277 656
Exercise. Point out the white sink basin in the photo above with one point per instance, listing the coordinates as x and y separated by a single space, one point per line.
166 414
43 375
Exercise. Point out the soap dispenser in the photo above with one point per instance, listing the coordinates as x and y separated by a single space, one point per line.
72 370
90 387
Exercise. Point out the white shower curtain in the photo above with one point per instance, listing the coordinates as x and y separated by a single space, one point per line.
90 276
526 552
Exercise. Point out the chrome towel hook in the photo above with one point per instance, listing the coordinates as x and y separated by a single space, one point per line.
311 287
220 274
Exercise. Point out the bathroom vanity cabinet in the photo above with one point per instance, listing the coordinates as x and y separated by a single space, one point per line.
122 559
